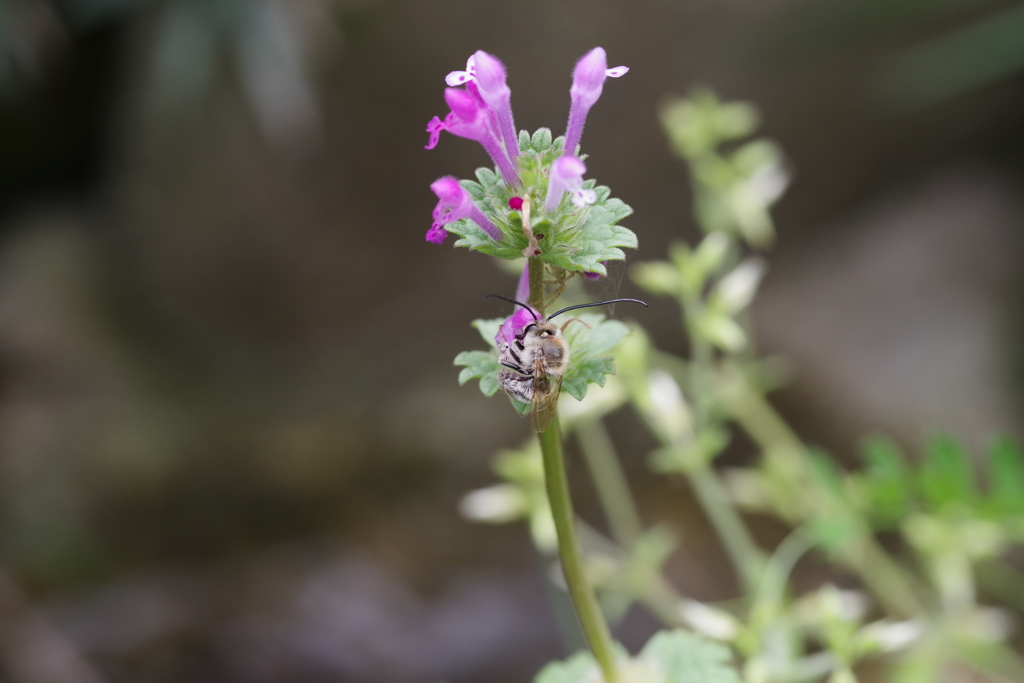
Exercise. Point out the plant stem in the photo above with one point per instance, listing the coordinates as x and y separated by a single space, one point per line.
537 284
610 482
895 588
589 612
595 628
748 560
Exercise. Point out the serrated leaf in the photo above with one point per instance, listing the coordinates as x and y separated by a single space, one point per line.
480 364
686 657
585 372
606 336
588 346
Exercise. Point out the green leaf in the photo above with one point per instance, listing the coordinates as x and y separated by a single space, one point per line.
887 479
587 360
475 190
583 373
488 329
482 364
1006 477
524 139
656 277
588 346
541 140
834 530
487 177
686 657
825 472
576 239
578 668
946 476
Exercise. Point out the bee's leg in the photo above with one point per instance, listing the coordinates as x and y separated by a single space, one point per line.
512 366
575 320
560 275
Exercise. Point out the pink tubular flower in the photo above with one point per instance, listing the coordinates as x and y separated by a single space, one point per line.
470 118
587 82
455 204
514 325
485 77
490 80
567 176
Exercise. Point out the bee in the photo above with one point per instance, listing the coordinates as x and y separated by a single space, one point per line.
534 363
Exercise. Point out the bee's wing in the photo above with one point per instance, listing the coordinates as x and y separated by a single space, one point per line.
545 397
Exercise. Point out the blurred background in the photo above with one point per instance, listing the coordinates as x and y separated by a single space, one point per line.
232 444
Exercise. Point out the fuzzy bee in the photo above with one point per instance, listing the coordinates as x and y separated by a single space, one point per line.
534 360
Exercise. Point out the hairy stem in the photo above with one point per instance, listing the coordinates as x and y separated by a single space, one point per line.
589 612
595 628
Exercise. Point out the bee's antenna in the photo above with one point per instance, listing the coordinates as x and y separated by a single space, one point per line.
599 303
520 303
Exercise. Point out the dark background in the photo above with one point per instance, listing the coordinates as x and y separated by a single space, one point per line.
231 440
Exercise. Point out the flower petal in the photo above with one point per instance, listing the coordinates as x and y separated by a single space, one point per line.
458 78
436 234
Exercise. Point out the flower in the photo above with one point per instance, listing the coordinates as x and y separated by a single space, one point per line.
490 80
470 118
484 77
567 176
514 325
454 204
587 82
456 78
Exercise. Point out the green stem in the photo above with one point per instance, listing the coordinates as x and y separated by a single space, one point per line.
595 629
610 482
589 612
896 589
748 560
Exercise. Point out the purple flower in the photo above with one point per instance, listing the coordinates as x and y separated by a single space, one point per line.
485 77
587 82
567 176
592 275
470 118
515 324
455 204
456 78
490 79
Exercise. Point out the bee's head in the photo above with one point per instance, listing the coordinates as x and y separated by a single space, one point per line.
541 328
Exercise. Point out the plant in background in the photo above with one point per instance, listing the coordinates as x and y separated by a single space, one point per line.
917 609
537 205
